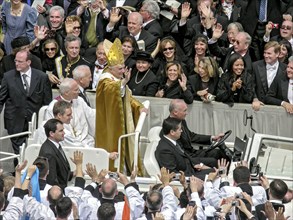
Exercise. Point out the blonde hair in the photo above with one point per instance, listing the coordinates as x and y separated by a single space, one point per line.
210 65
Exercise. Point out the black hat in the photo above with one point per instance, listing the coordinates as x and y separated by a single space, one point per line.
142 55
20 42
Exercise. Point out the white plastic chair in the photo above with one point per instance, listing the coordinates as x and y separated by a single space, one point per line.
41 115
150 163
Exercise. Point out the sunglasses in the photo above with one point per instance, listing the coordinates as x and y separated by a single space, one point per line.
76 28
50 49
168 48
286 27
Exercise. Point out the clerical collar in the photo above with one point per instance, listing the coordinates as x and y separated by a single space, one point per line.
70 101
102 66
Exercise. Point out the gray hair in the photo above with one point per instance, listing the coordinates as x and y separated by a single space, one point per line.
66 85
247 37
174 104
57 8
71 38
152 7
79 71
290 59
139 17
235 25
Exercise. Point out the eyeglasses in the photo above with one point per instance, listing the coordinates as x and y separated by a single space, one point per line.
76 28
286 27
50 49
168 48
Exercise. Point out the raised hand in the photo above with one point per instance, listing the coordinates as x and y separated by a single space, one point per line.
114 16
217 32
69 25
185 10
183 81
77 158
40 32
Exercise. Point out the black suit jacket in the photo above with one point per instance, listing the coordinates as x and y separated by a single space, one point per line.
19 106
278 91
250 14
149 39
170 156
154 28
225 53
196 85
9 64
59 168
260 78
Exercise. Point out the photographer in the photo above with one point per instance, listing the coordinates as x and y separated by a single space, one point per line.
241 183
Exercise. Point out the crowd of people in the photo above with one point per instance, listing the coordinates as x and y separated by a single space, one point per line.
230 51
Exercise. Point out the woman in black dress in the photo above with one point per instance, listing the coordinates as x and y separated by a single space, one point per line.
236 84
50 50
174 85
143 81
204 84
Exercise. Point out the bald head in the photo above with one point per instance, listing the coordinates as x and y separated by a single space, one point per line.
178 109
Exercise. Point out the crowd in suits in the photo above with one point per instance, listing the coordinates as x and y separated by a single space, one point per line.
227 51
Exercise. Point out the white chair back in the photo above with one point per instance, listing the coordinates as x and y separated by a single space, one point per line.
150 163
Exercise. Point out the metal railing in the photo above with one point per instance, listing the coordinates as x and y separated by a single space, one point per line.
136 135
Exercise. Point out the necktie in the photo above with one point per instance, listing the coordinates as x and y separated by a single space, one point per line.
271 67
262 10
26 85
62 152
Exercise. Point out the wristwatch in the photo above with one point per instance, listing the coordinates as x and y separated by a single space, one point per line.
201 165
27 178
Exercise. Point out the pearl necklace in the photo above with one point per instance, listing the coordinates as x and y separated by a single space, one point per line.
142 77
16 12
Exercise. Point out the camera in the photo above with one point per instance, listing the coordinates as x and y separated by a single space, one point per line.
113 175
260 175
275 26
235 203
192 203
239 196
221 172
176 177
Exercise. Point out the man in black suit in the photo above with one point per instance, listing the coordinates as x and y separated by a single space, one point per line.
265 71
59 168
256 15
24 91
82 75
134 28
240 45
18 44
277 190
150 12
172 156
281 90
178 109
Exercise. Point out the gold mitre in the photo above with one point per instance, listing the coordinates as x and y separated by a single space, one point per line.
114 52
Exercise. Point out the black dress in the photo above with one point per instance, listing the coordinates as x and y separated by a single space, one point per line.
143 83
175 91
198 85
242 95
